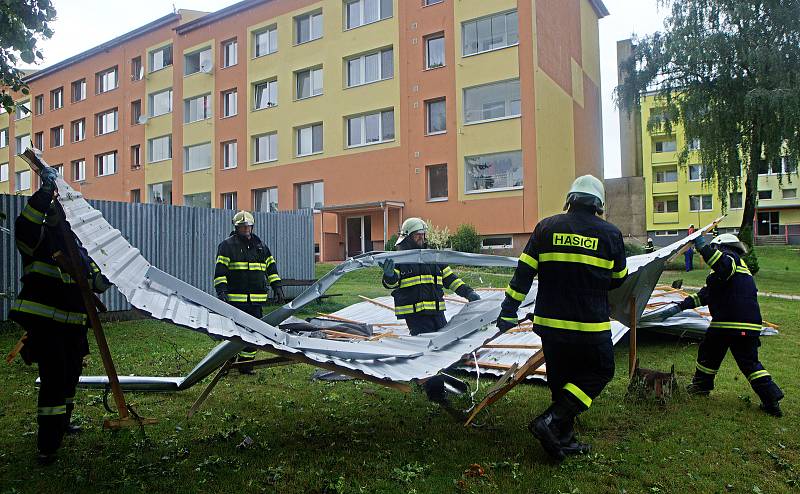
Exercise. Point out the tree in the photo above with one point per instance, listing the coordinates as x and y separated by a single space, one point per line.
22 22
729 72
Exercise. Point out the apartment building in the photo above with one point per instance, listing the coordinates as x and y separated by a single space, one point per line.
366 111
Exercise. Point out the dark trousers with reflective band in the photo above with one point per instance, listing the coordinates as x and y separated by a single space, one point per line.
577 372
744 349
59 350
417 324
255 310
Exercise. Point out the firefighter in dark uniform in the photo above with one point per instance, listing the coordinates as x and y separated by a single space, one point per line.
244 268
51 309
579 257
732 299
418 292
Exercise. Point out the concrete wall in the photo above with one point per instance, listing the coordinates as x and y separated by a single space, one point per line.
625 206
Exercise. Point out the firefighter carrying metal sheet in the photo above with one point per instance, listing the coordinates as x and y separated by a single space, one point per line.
51 309
578 257
244 268
418 292
732 298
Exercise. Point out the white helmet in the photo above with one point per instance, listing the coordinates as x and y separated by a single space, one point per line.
587 185
730 240
410 226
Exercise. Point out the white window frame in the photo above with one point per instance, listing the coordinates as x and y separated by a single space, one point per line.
158 143
271 86
4 167
60 130
313 185
230 108
230 154
80 84
428 120
494 189
793 191
205 100
428 3
187 151
699 168
666 202
102 80
506 15
151 191
19 180
230 53
741 200
315 80
136 152
22 142
382 14
508 102
19 114
362 120
666 233
228 200
429 197
269 192
79 170
38 104
151 102
57 98
272 148
694 144
137 69
312 24
81 125
3 138
428 39
163 50
101 122
701 196
105 163
308 131
205 58
509 245
765 198
662 142
362 60
271 40
664 171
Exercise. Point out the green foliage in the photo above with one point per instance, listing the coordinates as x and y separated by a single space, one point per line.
466 239
633 249
438 238
24 22
751 259
727 71
390 243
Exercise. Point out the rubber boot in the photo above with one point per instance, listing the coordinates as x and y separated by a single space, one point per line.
545 429
772 408
244 369
700 385
569 443
71 428
770 394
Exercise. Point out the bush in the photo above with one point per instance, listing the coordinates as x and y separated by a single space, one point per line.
633 249
751 259
466 239
390 243
437 238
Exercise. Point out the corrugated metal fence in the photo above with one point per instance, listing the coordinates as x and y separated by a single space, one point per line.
179 240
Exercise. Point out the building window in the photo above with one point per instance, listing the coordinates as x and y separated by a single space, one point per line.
666 233
22 180
764 194
229 155
38 140
735 200
700 203
665 205
666 175
694 144
3 172
228 200
230 100
198 61
360 12
266 200
371 67
266 94
309 140
696 173
57 98
136 157
310 195
493 171
665 146
307 27
504 242
780 164
160 58
22 109
3 137
197 108
106 122
22 142
79 170
137 71
372 128
265 41
431 2
159 149
789 193
136 112
57 136
160 103
106 80
197 157
437 182
60 170
230 52
490 33
106 164
38 104
136 196
78 128
79 90
265 148
492 101
436 116
160 193
434 51
200 200
309 83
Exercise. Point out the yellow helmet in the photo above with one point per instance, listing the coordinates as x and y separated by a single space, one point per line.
243 218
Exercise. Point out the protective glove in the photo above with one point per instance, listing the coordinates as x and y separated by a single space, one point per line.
277 291
700 242
222 296
48 176
100 283
504 323
388 269
662 313
473 296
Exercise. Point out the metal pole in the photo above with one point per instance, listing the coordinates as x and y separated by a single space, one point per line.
386 225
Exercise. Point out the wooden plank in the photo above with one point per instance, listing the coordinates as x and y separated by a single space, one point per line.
339 334
344 319
632 336
456 300
375 302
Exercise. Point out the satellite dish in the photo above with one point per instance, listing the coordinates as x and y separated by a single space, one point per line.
206 69
141 120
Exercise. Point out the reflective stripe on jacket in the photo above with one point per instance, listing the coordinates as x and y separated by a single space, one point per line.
244 268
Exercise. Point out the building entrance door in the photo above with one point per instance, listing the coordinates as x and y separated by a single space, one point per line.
769 223
359 235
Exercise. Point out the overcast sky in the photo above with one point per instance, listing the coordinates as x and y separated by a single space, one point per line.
83 24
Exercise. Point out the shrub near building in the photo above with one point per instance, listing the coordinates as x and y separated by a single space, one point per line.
466 239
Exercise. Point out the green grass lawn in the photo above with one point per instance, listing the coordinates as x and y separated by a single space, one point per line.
357 437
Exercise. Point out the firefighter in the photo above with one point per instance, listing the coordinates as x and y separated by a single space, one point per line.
51 309
578 257
244 268
732 298
418 292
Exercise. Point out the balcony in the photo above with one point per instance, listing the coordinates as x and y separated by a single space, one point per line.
665 188
662 218
664 158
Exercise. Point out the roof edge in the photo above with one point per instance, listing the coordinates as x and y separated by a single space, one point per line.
600 8
220 14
